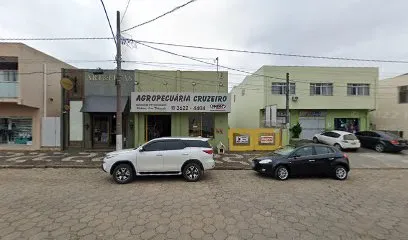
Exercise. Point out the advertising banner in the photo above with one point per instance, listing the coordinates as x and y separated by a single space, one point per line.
180 102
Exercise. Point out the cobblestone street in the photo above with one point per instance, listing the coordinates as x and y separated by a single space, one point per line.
86 204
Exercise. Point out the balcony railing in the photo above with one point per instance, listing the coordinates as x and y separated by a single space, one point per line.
9 85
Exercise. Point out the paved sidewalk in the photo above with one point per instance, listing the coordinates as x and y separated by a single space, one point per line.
94 159
364 158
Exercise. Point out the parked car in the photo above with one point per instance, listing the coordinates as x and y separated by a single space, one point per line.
189 157
338 139
307 160
382 141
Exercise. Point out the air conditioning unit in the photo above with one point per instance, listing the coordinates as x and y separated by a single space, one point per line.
295 98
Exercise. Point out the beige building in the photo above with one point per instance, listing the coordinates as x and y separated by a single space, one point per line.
392 106
29 98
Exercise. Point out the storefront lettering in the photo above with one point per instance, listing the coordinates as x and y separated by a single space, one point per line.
110 77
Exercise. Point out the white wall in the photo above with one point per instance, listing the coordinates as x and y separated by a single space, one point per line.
76 121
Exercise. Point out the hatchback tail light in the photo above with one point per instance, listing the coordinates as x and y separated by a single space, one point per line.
208 151
395 142
345 155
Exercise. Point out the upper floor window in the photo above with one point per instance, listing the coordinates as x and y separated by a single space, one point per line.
358 89
324 89
403 94
280 88
8 76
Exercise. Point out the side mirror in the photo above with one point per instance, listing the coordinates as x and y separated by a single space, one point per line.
141 149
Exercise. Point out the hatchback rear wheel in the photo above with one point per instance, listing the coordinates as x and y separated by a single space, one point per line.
379 147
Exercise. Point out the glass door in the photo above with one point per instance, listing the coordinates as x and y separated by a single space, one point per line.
100 131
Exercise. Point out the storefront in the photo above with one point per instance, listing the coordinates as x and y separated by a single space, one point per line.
317 121
19 127
162 114
90 107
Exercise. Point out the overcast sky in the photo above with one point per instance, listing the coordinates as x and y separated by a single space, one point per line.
373 29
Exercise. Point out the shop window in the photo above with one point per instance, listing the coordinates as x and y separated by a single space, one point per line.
323 89
201 125
16 130
358 89
403 94
280 88
351 125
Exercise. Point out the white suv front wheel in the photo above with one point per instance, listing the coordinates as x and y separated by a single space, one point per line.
192 172
123 173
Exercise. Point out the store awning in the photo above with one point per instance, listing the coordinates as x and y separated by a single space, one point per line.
99 104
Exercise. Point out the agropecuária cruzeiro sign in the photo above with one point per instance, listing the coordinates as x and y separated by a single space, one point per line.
179 102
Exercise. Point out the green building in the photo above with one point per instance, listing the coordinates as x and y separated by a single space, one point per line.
180 103
321 98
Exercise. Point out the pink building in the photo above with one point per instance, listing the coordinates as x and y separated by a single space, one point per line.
30 98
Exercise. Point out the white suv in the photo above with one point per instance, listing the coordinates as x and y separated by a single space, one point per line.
162 156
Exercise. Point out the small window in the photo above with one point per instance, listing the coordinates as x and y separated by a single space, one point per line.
304 152
335 135
403 94
175 145
358 89
197 143
155 146
243 92
279 88
322 89
234 97
321 150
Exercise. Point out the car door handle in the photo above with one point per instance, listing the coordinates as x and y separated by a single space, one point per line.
312 160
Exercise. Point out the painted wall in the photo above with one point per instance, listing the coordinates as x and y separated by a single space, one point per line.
245 110
31 60
390 114
181 81
247 100
339 76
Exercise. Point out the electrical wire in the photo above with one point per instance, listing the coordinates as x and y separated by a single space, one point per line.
160 16
270 53
56 38
107 17
123 16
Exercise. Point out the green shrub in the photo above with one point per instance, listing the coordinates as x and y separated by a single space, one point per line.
296 130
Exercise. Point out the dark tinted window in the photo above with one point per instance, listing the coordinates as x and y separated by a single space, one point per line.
326 134
304 151
373 134
323 150
155 146
388 135
174 145
350 137
197 143
332 134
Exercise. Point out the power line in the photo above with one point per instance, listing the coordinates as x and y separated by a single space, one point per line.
160 16
124 13
107 17
271 53
56 39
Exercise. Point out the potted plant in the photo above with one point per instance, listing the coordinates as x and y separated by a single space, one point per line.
296 130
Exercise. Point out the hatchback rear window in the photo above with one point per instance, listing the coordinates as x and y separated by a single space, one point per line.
198 143
350 137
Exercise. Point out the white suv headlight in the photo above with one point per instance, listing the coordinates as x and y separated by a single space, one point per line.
265 161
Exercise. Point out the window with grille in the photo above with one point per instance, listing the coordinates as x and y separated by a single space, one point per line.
323 89
403 94
280 88
358 89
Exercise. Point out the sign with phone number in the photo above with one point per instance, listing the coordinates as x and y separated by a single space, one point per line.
179 102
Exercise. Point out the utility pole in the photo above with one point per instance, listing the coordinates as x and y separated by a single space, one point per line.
118 87
287 100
